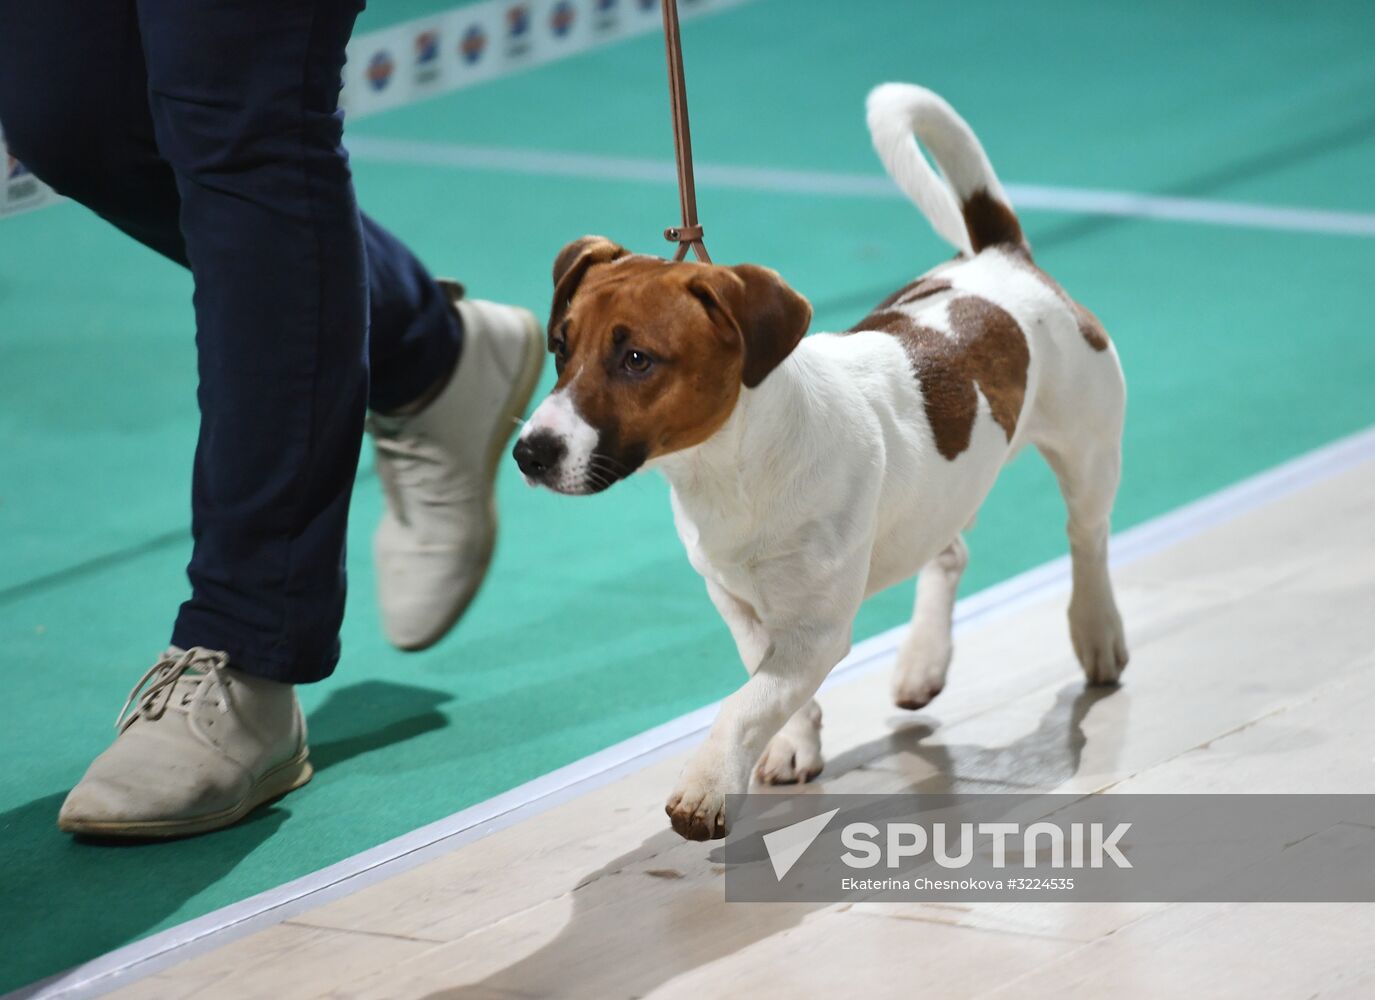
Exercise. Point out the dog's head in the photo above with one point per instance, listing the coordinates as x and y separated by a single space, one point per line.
651 355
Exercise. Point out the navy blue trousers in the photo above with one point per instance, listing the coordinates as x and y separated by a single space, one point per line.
210 131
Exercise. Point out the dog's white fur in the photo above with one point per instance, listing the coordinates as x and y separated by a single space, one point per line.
825 485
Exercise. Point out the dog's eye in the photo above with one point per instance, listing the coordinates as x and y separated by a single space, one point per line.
560 347
637 361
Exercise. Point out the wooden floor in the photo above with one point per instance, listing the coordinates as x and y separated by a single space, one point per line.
1253 669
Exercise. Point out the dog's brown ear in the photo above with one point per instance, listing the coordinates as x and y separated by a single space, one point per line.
571 265
767 315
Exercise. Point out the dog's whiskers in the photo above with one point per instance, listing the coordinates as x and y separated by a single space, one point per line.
611 465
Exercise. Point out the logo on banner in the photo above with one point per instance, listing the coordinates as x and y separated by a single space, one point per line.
561 18
604 15
986 847
646 4
473 45
427 57
380 69
517 30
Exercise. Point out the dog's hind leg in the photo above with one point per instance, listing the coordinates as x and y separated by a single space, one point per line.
924 656
794 754
1088 473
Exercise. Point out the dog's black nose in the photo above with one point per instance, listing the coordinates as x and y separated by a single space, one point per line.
538 453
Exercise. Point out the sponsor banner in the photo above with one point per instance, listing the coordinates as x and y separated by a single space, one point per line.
20 190
419 59
1041 848
445 52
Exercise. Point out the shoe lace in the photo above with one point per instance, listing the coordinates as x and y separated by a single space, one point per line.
200 671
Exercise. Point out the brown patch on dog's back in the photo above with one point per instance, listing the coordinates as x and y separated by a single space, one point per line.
1090 328
987 349
926 285
995 356
884 320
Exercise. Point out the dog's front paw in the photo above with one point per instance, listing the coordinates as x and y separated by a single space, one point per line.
697 811
1099 642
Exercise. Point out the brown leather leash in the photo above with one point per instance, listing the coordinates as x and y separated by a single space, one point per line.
689 234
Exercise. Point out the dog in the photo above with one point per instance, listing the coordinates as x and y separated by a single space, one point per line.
808 474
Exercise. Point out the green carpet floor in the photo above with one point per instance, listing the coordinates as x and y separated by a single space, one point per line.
1242 348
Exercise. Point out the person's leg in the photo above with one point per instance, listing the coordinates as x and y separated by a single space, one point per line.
74 106
277 248
200 742
243 179
243 96
416 334
82 124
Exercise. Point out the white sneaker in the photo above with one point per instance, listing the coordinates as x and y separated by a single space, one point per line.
203 745
438 470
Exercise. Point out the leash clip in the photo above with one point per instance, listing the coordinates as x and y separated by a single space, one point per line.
687 237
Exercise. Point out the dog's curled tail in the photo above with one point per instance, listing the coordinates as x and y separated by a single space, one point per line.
969 208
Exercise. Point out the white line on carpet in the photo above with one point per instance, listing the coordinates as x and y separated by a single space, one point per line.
1086 201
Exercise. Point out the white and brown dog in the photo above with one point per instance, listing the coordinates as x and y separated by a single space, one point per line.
808 474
